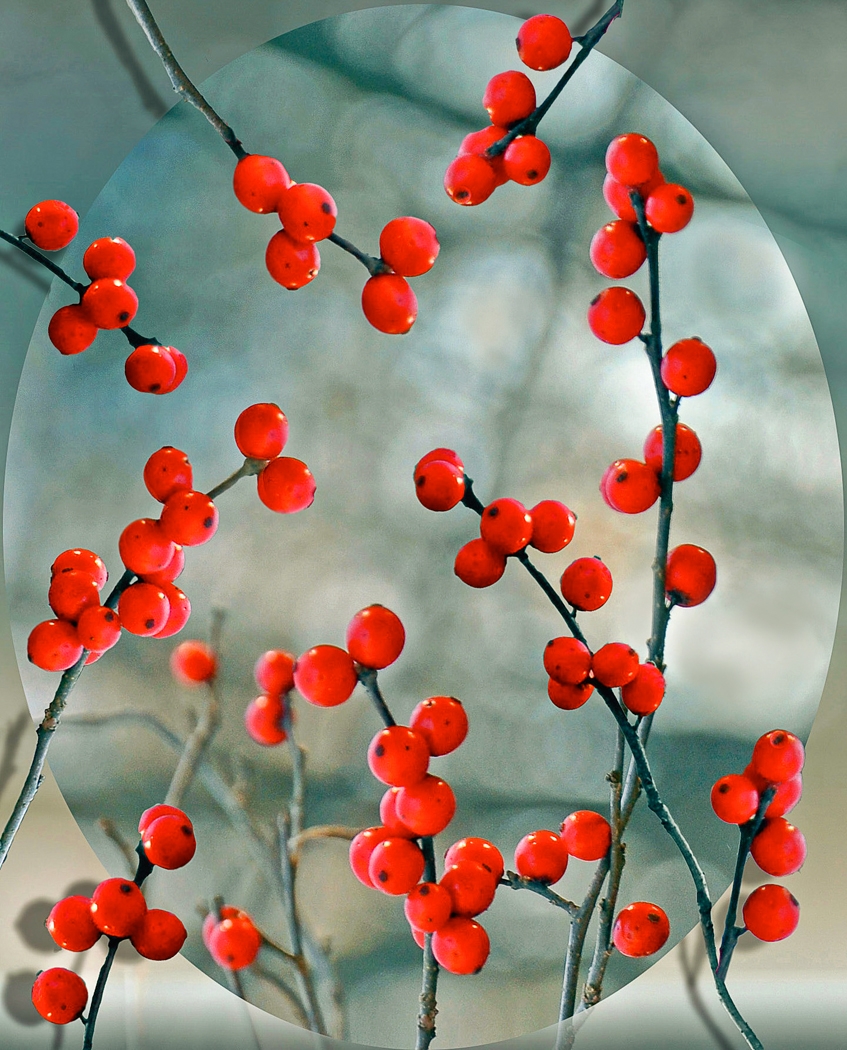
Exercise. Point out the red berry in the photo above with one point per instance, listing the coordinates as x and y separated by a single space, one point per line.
779 848
117 907
108 257
388 815
263 720
274 671
193 662
690 575
53 645
375 637
150 369
439 484
398 756
506 526
396 866
569 697
70 330
442 722
291 263
567 660
159 936
143 609
479 142
735 799
586 583
166 472
71 593
771 913
51 225
409 246
144 546
59 995
615 664
553 526
686 455
161 809
477 849
71 926
286 485
461 945
361 849
189 518
617 249
389 303
617 196
446 455
541 855
426 808
479 565
98 628
181 366
179 611
778 755
645 692
587 835
471 885
544 42
259 182
688 367
509 97
526 160
632 159
261 431
109 303
170 571
82 560
308 212
169 842
234 942
428 907
787 794
640 929
616 315
669 207
630 486
325 675
470 179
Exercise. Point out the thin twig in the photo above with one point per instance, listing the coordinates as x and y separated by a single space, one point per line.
111 831
429 981
523 882
368 678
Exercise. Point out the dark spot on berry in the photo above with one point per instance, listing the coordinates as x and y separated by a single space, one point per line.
492 512
124 888
722 790
186 830
326 207
109 616
155 387
462 195
595 300
622 476
379 750
149 624
532 173
681 198
208 522
421 481
424 891
653 917
383 876
123 315
779 739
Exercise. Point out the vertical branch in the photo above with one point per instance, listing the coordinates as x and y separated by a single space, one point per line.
367 676
428 1008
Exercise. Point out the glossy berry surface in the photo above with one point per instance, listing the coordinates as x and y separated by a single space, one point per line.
286 485
428 907
442 721
629 486
690 575
640 929
478 143
643 695
53 645
193 662
587 835
396 866
618 198
325 675
439 484
771 913
427 807
307 211
109 303
261 431
553 526
567 660
189 518
541 855
144 546
98 628
291 263
632 159
388 815
480 850
258 182
686 456
735 799
688 367
108 257
470 179
445 455
71 593
567 696
70 330
461 945
587 584
160 935
615 664
71 926
167 471
616 315
361 848
786 797
169 842
506 526
409 246
669 208
779 848
263 720
398 756
778 755
179 611
161 809
389 303
479 565
83 560
617 249
274 671
375 637
143 609
59 995
471 885
526 160
234 942
544 42
117 907
509 97
150 369
51 225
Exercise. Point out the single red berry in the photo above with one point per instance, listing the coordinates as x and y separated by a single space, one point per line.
427 807
308 212
388 815
544 42
586 583
439 484
144 546
291 263
553 526
629 486
234 942
669 207
166 472
446 455
396 866
389 303
541 855
480 850
632 159
617 195
616 315
117 907
615 664
98 628
189 518
71 926
193 662
688 367
640 929
150 369
108 257
170 572
70 330
263 720
325 675
686 455
161 809
180 364
470 179
617 249
160 935
771 913
286 485
645 692
479 565
361 848
735 799
71 593
53 645
259 182
375 637
442 721
587 835
59 995
788 792
274 671
409 246
461 945
169 842
526 160
428 907
506 526
143 609
778 755
261 431
51 225
569 697
478 144
398 756
509 97
179 611
690 575
779 848
109 303
471 885
82 560
567 660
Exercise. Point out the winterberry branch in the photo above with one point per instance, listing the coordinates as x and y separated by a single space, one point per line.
367 676
690 971
373 265
320 831
112 832
523 882
428 1007
284 989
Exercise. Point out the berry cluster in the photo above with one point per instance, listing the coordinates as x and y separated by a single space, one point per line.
117 908
231 937
408 246
771 912
266 716
574 671
285 485
543 42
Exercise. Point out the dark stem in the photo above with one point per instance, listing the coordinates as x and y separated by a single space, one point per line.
367 676
576 942
99 988
374 266
248 469
523 882
34 253
428 1008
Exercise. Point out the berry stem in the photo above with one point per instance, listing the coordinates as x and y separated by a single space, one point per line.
367 676
34 253
428 1008
373 265
523 882
248 469
99 988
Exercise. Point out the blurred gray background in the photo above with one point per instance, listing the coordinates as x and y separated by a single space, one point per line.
775 519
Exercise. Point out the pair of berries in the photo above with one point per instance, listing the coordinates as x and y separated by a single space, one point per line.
543 855
285 485
632 486
231 937
408 247
573 672
266 716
